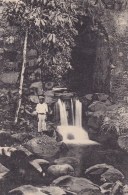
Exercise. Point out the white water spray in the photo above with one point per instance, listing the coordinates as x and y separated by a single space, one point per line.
72 112
63 113
78 113
74 134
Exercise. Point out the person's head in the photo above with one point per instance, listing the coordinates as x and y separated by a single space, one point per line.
41 100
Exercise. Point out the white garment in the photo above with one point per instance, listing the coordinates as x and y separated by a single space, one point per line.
42 108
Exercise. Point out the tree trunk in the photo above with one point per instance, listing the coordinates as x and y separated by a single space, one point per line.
101 71
22 76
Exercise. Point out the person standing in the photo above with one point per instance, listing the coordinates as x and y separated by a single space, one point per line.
42 110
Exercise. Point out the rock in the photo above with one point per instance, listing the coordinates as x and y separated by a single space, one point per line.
101 97
53 190
125 190
3 171
40 164
60 170
102 173
26 190
7 151
45 190
123 142
106 188
34 99
74 162
78 185
112 175
117 188
109 133
26 169
95 119
67 160
21 148
39 86
9 78
21 137
44 146
32 53
97 106
6 139
88 97
94 173
108 103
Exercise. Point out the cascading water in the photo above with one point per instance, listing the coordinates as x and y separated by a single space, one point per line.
72 134
63 113
78 113
72 113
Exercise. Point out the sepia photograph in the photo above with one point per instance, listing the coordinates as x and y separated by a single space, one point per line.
63 97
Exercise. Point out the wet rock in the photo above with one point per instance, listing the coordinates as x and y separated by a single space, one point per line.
95 119
97 106
102 173
78 185
21 137
3 171
60 170
43 146
26 189
123 142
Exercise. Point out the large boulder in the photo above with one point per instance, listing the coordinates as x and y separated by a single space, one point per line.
112 175
43 146
77 185
97 106
45 190
56 171
95 119
26 189
102 173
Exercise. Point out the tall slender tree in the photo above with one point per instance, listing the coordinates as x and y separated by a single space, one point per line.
50 26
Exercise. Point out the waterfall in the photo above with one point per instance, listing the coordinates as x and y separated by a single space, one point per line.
78 113
72 113
63 113
74 134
